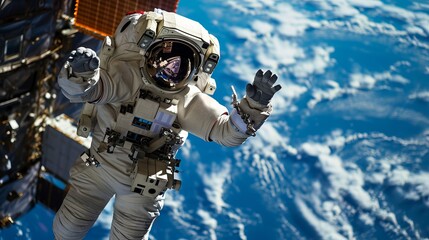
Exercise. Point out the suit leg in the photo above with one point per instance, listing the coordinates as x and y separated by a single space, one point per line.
87 197
134 216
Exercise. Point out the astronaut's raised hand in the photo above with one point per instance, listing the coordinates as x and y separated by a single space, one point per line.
262 89
252 111
79 76
83 62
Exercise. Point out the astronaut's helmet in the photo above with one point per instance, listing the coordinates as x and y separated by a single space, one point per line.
171 64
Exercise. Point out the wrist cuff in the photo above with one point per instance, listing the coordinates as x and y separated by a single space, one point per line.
238 122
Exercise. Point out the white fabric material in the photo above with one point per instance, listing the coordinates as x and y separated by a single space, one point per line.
238 121
91 189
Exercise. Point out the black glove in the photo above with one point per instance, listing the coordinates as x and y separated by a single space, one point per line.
83 60
262 89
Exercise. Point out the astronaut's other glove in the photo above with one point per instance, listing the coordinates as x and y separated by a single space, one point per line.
83 62
262 90
252 111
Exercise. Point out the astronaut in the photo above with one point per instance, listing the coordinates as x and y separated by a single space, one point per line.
148 88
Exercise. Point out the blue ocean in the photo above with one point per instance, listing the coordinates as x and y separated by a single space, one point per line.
345 154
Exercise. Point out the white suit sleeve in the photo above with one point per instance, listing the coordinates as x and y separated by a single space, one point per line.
120 82
116 84
206 118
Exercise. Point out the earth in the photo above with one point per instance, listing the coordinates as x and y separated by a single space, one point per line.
345 154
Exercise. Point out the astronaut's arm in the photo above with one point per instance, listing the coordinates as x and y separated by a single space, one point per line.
226 133
213 123
83 79
232 129
206 118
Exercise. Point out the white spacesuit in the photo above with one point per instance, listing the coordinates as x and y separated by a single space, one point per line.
148 89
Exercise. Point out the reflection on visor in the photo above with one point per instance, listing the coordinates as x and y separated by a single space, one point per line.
168 69
171 65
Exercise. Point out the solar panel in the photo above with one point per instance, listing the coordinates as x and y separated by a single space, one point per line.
100 18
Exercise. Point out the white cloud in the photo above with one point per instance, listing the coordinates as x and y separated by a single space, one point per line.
291 22
293 91
333 91
423 96
262 154
283 100
323 228
360 24
420 6
365 3
398 13
415 30
241 68
268 135
209 221
317 65
353 20
338 8
186 149
214 182
262 27
368 81
239 224
367 219
243 33
345 10
245 6
423 23
399 64
267 55
175 201
347 181
341 181
398 177
315 149
414 22
383 108
414 186
387 76
362 81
